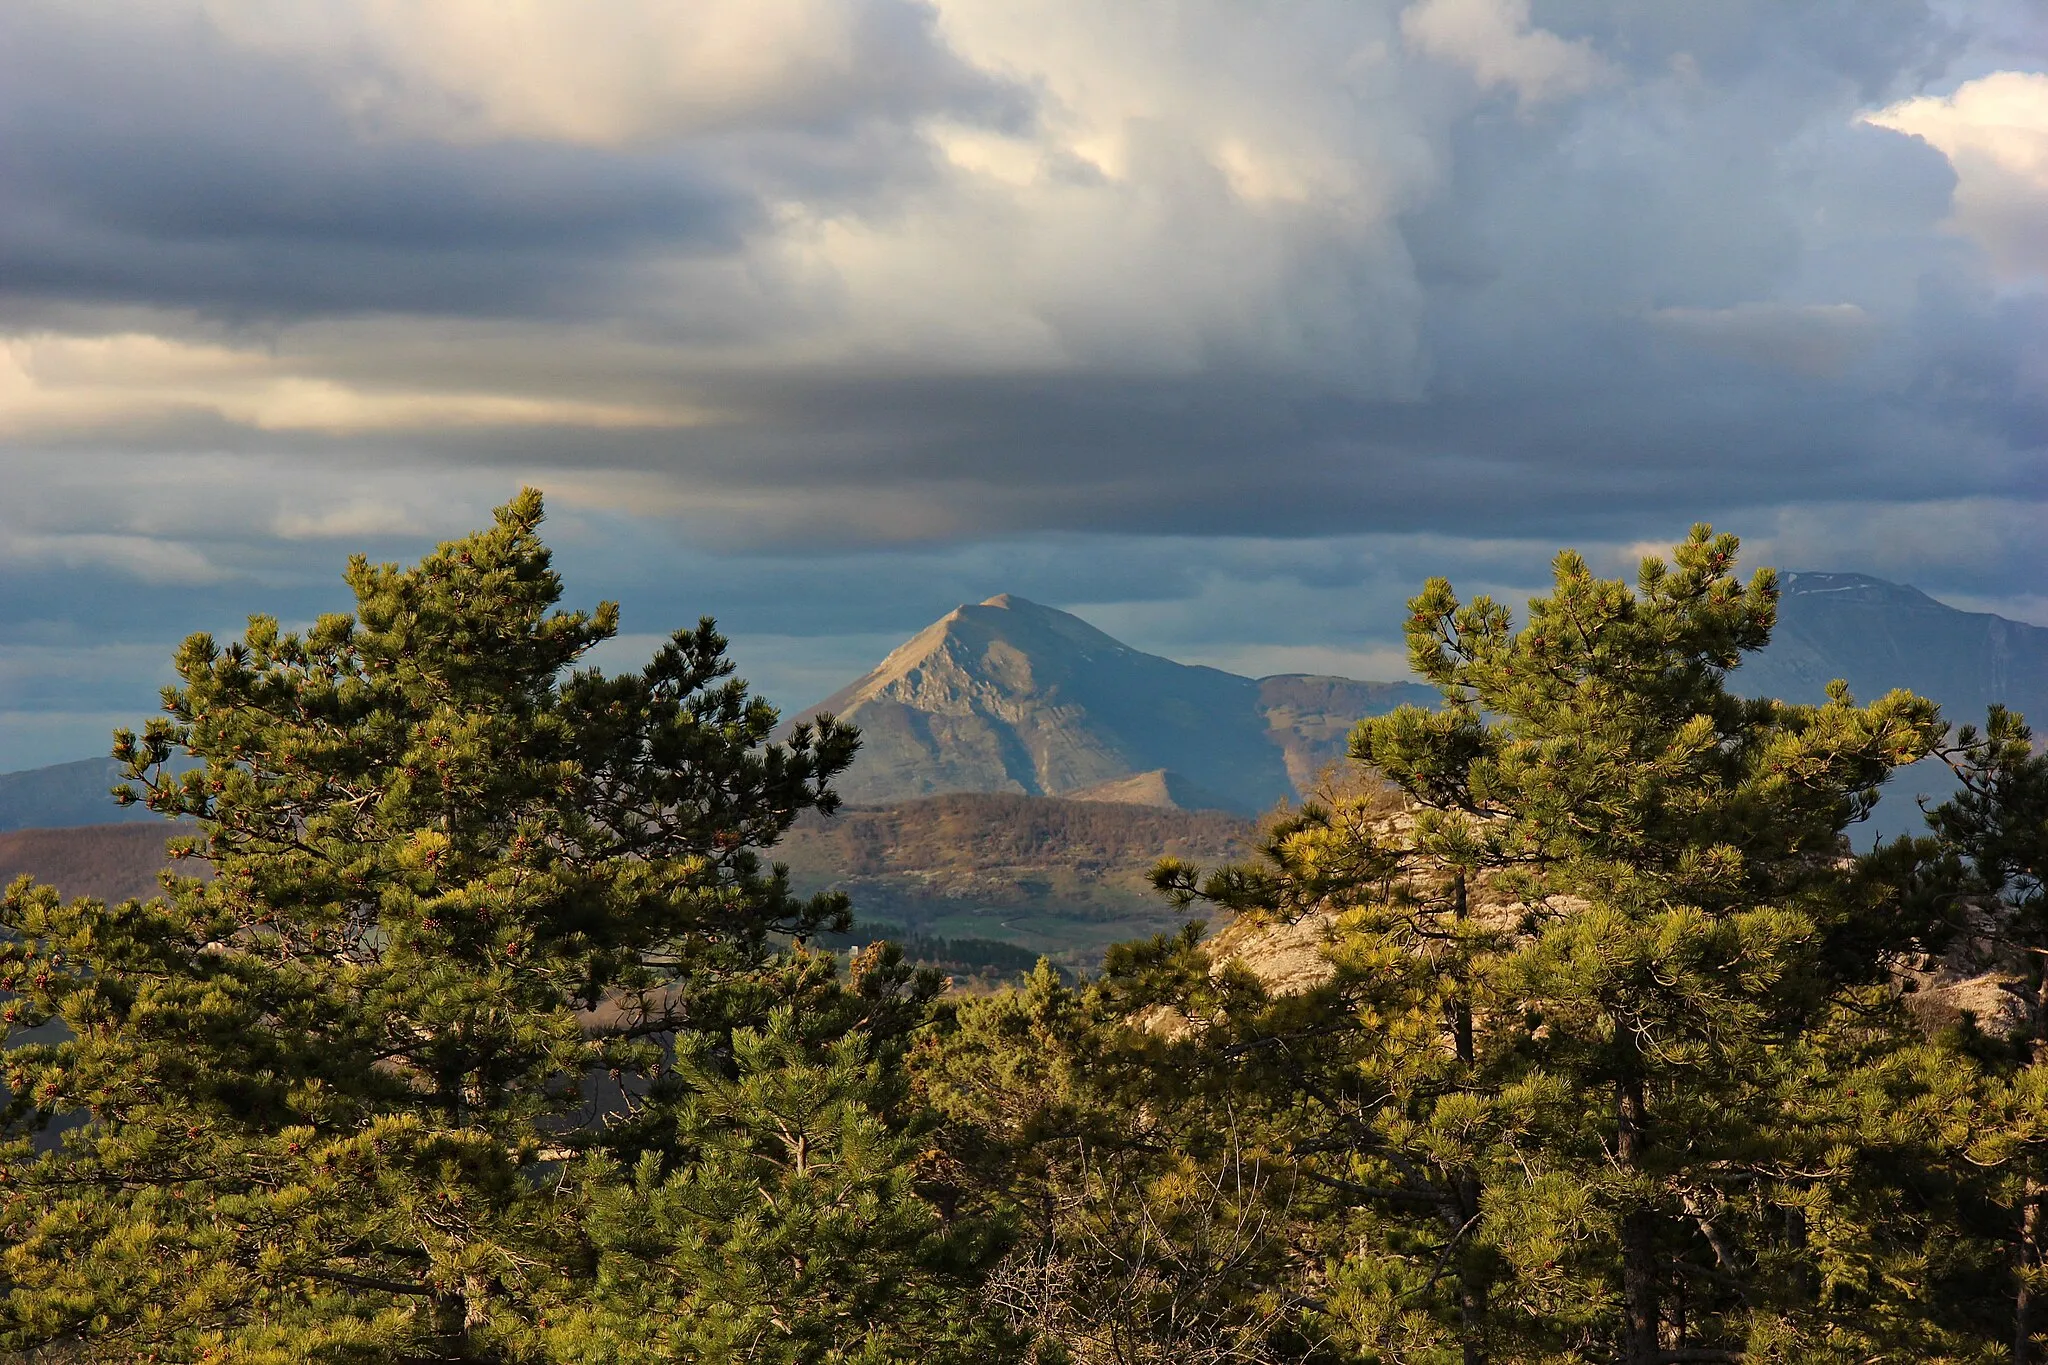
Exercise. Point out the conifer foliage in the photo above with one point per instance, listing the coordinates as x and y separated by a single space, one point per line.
486 991
1604 1117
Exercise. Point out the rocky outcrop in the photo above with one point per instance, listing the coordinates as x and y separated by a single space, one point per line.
1981 976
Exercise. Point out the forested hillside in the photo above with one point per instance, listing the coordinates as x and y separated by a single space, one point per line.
1065 878
980 884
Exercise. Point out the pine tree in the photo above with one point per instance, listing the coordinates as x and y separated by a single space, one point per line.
1605 1121
1987 862
1154 1226
799 1229
487 944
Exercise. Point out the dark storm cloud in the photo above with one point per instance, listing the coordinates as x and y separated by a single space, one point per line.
198 179
170 168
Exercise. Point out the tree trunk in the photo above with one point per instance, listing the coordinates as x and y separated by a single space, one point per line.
1461 1004
1641 1312
1472 1292
2025 1256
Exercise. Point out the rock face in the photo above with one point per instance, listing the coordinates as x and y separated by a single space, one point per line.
1011 696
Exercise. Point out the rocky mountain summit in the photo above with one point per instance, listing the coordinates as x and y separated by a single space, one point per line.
1010 696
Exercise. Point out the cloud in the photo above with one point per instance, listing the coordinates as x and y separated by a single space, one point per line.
608 73
1994 131
160 561
1493 40
51 382
826 314
1813 338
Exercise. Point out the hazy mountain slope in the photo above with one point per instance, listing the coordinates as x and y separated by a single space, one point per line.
65 794
1310 716
1881 635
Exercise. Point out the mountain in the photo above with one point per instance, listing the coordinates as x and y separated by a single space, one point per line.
1310 716
65 794
1161 787
1011 696
1879 635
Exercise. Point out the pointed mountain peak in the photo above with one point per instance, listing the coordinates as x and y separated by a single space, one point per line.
1029 626
1012 695
1027 611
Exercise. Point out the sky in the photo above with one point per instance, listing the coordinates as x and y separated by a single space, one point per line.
1223 323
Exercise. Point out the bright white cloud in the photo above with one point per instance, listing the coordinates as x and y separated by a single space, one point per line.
1217 186
1994 131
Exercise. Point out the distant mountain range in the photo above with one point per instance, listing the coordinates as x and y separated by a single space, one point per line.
65 794
1008 696
1011 696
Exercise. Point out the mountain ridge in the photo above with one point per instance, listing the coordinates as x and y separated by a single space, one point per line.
1007 695
66 794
